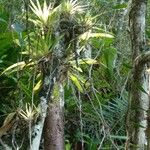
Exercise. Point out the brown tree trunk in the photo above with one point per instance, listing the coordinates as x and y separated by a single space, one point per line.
54 121
54 128
139 99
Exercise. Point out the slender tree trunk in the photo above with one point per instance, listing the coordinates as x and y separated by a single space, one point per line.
49 68
52 101
139 99
54 128
54 123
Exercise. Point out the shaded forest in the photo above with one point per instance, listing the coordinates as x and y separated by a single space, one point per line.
74 75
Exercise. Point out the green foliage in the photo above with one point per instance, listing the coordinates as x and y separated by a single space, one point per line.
120 6
95 96
109 60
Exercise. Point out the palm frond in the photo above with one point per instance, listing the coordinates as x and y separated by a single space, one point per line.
72 6
41 13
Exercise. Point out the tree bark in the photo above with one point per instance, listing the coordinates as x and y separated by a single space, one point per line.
54 126
139 99
54 122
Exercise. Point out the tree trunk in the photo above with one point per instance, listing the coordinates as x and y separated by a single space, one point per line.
52 101
54 122
139 99
54 134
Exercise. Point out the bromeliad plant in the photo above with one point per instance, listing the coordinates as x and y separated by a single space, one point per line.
75 27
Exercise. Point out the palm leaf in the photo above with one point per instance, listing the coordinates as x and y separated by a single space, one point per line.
14 67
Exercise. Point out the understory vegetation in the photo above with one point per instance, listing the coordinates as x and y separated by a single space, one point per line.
80 46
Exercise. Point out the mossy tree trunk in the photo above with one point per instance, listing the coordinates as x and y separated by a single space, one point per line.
54 121
52 105
139 98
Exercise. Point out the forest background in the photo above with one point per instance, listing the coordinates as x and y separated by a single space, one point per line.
74 74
